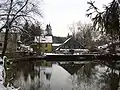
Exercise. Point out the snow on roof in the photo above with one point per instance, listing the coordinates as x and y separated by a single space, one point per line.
43 39
63 43
56 44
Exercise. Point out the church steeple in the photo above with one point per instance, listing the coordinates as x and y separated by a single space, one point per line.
48 30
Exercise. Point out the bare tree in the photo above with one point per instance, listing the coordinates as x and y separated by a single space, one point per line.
84 33
13 13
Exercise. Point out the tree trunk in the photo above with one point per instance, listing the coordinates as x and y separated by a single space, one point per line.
118 81
114 83
5 42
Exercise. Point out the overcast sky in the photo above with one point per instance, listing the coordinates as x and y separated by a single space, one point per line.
61 13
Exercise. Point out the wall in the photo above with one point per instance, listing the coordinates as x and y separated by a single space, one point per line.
43 47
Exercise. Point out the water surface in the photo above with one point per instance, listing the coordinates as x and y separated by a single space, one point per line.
42 75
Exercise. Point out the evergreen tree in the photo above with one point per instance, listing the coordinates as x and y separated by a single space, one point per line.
106 21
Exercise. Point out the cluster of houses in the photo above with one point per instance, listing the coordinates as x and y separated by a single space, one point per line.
43 43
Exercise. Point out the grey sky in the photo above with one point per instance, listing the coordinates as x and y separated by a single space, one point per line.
61 13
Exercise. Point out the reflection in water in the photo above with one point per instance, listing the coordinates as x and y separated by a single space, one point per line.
63 76
92 76
71 67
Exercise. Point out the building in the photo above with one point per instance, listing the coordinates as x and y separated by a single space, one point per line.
55 46
71 45
44 42
12 44
57 41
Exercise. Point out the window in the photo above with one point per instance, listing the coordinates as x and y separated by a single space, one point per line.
45 45
42 40
46 50
0 44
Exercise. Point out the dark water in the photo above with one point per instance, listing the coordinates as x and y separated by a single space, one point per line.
42 75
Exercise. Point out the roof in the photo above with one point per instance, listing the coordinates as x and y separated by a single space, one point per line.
57 39
56 44
68 42
43 39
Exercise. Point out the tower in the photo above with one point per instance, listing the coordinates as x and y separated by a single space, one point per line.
48 30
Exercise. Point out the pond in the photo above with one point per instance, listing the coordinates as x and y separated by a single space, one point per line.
43 75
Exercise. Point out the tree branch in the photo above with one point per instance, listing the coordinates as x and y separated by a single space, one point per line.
21 7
